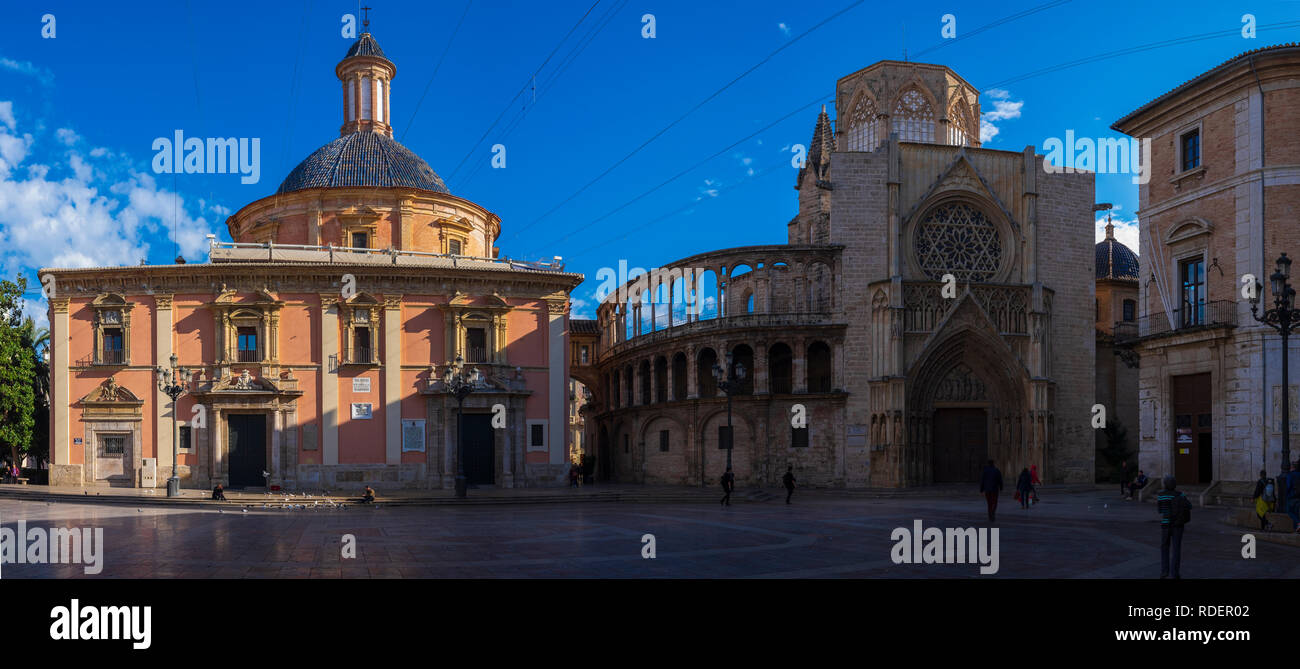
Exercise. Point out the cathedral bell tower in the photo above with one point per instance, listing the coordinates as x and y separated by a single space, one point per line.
366 75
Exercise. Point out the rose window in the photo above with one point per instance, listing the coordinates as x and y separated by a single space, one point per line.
960 240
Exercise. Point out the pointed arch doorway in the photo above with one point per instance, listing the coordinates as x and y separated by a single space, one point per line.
967 404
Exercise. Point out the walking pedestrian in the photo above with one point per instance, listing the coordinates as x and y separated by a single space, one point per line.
788 480
728 484
990 484
1024 487
1125 475
1175 512
573 476
1265 495
1033 473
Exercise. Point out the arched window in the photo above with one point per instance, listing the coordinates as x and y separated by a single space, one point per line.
744 355
913 117
645 382
962 130
819 367
780 366
957 238
749 302
864 124
679 376
704 373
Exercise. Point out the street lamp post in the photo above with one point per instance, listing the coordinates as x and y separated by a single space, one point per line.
729 381
460 386
173 381
1283 318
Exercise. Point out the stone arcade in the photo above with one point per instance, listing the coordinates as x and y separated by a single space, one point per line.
901 386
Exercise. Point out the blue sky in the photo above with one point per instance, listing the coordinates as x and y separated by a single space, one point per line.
79 113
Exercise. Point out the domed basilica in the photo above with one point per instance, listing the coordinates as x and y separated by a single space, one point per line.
315 348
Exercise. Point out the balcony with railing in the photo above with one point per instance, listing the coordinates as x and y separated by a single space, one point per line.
1190 318
235 252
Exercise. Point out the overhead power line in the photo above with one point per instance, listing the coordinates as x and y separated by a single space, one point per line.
686 171
510 105
437 67
679 119
548 84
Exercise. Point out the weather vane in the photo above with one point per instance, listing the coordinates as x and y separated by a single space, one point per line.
365 21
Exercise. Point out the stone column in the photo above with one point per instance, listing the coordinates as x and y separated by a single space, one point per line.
692 373
762 385
392 375
277 447
799 366
61 451
216 449
654 381
162 353
557 379
329 382
670 378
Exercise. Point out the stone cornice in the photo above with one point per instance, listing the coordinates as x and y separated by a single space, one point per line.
208 278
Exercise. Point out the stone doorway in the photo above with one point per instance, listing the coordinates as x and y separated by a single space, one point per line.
961 444
247 451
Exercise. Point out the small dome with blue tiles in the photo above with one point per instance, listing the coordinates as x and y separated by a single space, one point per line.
365 154
363 158
365 46
1114 260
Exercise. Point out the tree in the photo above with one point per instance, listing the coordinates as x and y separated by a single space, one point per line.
39 344
17 372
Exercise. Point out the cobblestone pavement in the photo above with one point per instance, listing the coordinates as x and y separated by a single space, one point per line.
1071 535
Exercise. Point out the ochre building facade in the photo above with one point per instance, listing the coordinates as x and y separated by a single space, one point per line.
317 341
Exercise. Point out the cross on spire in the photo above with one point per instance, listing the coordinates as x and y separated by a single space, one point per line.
365 22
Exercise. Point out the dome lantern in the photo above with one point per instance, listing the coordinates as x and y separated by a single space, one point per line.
366 75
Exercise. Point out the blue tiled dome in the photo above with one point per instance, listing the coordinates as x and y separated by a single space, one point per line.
363 159
365 46
1116 261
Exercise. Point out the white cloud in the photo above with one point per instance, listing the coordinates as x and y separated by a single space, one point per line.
784 29
70 211
67 136
1004 108
1126 232
42 75
7 115
580 308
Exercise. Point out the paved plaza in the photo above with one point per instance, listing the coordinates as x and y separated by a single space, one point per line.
1089 534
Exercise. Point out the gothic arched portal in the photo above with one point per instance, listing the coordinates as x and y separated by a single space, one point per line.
967 402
